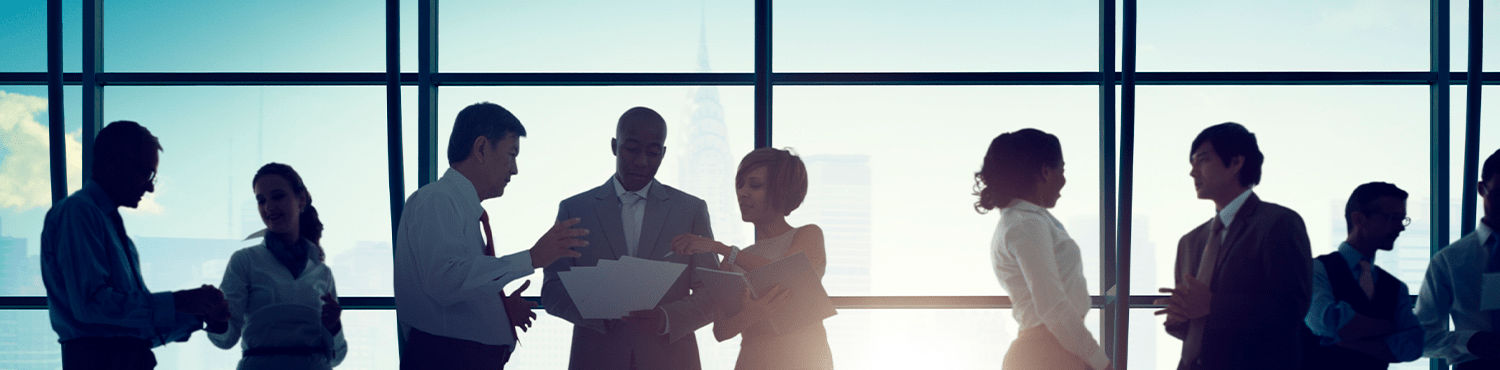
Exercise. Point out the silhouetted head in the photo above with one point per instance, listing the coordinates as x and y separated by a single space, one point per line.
125 159
483 147
1226 160
638 147
285 205
1489 183
1376 215
1026 164
770 183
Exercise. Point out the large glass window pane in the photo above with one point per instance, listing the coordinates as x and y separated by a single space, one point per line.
244 36
26 179
896 181
566 151
1284 35
27 341
597 36
962 338
216 138
1320 142
1489 142
1459 35
967 36
25 36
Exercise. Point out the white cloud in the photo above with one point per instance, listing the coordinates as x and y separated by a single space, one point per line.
25 174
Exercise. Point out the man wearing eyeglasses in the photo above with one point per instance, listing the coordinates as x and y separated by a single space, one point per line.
104 316
1462 284
1361 317
638 216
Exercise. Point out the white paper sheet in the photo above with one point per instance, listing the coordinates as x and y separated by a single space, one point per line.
611 289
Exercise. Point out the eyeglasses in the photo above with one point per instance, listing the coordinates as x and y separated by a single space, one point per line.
1405 221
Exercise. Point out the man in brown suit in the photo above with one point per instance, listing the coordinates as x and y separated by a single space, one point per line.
1244 277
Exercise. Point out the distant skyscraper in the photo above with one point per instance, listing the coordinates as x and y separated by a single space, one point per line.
838 201
706 167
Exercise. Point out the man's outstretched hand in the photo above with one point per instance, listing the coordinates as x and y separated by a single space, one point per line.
558 242
518 309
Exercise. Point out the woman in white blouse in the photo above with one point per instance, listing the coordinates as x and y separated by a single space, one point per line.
282 299
1035 260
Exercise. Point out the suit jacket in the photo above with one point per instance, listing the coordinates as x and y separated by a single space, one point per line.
614 344
1261 289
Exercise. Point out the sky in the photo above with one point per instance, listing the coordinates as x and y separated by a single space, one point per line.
923 143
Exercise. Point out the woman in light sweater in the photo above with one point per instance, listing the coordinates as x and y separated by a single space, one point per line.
282 299
1034 258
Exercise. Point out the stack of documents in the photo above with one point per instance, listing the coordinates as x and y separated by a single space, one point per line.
809 302
611 289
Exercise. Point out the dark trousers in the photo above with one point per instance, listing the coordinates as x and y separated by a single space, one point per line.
1480 364
426 351
117 353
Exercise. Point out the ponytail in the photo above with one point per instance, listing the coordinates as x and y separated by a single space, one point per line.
311 228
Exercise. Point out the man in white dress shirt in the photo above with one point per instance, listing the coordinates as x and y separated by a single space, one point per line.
1455 285
448 279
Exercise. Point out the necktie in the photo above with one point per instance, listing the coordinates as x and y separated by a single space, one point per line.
1367 279
489 250
1193 345
489 236
629 208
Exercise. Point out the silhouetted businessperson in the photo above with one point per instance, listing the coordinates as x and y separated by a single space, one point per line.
1361 317
104 316
449 281
1244 277
634 215
1455 288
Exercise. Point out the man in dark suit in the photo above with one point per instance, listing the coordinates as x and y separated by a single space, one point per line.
1244 277
634 215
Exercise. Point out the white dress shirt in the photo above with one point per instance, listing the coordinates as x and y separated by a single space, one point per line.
1226 215
255 280
1040 266
632 214
1453 287
445 285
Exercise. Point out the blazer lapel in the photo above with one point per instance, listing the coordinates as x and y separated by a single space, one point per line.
607 208
1236 230
657 211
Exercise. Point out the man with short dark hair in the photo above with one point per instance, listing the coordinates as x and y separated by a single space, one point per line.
449 296
637 216
1456 286
1361 317
1244 277
102 312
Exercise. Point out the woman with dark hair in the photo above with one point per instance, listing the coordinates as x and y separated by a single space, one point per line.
770 184
1034 258
282 299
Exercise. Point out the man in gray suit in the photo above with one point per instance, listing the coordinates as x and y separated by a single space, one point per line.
639 217
1244 278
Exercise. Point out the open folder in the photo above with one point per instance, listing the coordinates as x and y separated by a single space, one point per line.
809 302
611 289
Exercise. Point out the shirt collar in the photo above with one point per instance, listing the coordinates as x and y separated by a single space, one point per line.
620 189
1352 256
1227 214
467 195
96 191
